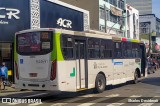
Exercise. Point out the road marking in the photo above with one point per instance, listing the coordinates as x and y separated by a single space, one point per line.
70 101
156 96
99 100
113 95
119 104
115 104
13 103
35 95
136 96
91 95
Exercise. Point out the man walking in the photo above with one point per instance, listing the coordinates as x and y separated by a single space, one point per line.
1 82
4 73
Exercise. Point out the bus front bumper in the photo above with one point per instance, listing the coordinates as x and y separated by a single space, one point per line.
29 85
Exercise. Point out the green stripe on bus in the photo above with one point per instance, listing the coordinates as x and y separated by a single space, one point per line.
73 73
15 53
56 54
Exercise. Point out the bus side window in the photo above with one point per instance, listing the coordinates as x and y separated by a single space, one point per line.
129 50
117 50
106 48
93 48
124 49
67 47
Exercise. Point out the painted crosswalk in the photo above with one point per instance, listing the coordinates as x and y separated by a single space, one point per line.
118 99
99 100
72 100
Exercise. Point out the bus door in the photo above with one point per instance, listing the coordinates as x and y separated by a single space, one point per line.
80 64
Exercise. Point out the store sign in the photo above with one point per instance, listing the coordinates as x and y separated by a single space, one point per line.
64 23
58 16
8 13
14 16
115 11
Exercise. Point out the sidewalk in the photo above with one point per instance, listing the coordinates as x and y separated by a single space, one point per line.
9 89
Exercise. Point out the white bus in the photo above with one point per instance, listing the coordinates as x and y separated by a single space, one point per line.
63 60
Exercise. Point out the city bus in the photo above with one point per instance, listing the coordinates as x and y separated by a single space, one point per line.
62 60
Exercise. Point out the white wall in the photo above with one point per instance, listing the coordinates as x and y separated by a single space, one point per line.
130 25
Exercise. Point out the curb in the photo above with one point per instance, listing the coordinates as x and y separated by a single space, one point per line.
8 89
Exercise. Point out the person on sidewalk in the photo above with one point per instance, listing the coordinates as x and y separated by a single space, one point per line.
4 73
1 82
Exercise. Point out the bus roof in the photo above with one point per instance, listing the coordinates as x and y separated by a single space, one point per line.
74 33
90 33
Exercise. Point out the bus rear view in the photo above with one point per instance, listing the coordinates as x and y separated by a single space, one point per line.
35 68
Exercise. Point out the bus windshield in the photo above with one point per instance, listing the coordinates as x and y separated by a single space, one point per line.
34 43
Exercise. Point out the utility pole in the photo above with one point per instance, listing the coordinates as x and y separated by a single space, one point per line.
149 27
105 18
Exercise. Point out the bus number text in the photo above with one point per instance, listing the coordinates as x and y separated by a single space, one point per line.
42 61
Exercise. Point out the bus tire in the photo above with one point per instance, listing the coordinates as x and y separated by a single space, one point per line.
100 83
135 81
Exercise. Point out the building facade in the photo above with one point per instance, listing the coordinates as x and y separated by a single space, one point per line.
150 28
154 27
105 15
132 22
143 6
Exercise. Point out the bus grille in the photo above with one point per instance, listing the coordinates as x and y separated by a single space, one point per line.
33 85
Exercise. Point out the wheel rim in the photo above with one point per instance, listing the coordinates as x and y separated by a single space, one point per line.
136 76
100 84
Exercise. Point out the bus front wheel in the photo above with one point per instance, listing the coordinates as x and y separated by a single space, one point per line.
135 77
100 83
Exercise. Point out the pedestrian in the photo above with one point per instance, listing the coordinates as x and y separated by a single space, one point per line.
4 73
0 75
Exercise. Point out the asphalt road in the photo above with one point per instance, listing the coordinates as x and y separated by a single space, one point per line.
147 90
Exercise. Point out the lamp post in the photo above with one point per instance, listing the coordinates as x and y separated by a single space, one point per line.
149 23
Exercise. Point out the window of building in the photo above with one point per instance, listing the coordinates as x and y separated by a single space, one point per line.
113 2
120 20
102 28
106 0
113 18
121 4
102 14
144 28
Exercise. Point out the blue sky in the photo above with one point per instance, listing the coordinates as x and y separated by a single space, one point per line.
156 7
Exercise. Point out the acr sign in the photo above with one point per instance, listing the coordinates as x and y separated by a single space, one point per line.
58 16
14 16
9 13
64 23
